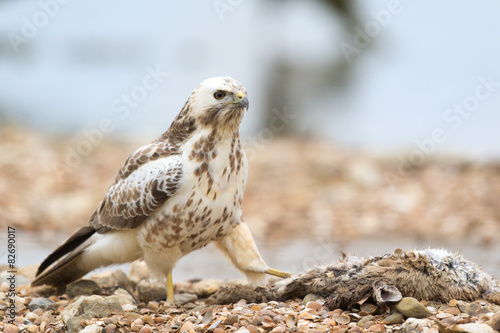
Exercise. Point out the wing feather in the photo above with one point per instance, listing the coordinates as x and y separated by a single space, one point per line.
146 181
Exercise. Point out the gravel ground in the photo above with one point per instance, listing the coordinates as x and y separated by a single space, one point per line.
119 312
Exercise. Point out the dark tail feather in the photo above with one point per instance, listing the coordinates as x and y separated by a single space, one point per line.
66 270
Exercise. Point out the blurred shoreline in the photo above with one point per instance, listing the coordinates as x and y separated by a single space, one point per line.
337 192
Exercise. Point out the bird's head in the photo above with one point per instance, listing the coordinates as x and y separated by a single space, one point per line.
219 102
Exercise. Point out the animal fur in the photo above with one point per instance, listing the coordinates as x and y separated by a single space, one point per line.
436 275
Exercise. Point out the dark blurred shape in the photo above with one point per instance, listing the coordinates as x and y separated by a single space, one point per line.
286 83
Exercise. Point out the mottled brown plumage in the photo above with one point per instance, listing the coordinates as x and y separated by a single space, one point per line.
173 196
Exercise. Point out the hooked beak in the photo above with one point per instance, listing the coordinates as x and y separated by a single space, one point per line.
242 100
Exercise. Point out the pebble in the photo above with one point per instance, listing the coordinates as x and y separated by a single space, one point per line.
230 320
242 330
311 298
494 322
9 328
91 329
394 318
415 324
205 288
42 303
83 287
112 279
146 329
342 319
252 329
129 307
187 326
369 308
185 298
476 328
410 307
314 305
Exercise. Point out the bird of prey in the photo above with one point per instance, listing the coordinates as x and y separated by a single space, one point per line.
171 197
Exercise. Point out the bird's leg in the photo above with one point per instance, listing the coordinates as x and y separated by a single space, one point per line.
170 288
240 247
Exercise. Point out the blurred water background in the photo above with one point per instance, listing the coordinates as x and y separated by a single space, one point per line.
69 68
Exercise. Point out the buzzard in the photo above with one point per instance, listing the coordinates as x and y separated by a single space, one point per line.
171 197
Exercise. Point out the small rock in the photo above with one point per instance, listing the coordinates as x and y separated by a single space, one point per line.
124 297
342 319
83 287
376 328
131 315
42 303
414 324
394 318
9 328
279 329
207 317
138 271
111 279
88 307
410 307
314 305
463 306
187 326
452 310
268 323
129 307
110 328
151 290
369 308
146 329
185 298
219 330
252 329
94 328
242 330
311 298
453 302
205 288
494 322
31 316
230 320
365 319
476 310
475 328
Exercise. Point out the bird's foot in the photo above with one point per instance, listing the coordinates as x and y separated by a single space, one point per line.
275 272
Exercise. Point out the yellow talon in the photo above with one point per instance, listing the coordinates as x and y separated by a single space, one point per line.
277 273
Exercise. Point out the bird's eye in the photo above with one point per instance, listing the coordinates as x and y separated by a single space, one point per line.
219 94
